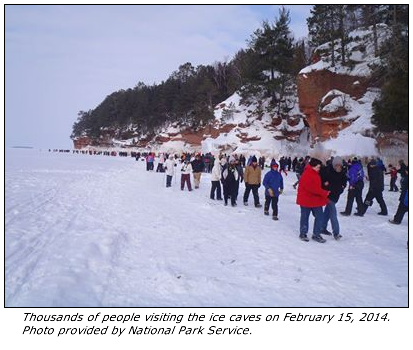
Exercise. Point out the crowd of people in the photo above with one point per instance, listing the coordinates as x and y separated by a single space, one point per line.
319 186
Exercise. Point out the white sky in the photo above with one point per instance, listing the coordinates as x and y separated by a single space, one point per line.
62 59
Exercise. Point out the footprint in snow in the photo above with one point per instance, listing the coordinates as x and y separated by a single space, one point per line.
228 262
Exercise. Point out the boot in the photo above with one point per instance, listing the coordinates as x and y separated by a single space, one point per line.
318 238
304 238
326 232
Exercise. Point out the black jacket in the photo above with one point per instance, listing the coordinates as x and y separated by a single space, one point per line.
376 177
197 166
336 182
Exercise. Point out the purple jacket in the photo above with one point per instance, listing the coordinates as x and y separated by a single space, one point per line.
355 174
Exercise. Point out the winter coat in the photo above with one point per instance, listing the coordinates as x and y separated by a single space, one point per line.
274 180
299 169
198 165
393 173
355 174
252 175
336 182
404 189
169 167
376 177
381 165
403 170
216 171
310 194
230 176
161 159
186 168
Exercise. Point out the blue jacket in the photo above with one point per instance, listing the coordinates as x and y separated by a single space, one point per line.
355 174
273 179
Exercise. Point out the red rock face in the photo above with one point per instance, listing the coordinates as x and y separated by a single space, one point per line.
82 142
313 86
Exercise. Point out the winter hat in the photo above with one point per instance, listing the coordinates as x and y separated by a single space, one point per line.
314 162
337 161
231 159
274 163
254 159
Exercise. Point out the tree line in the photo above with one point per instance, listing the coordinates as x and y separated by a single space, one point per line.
266 68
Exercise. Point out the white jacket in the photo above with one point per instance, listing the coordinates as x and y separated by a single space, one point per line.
216 171
169 167
186 168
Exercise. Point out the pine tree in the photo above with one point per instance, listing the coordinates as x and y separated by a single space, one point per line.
391 110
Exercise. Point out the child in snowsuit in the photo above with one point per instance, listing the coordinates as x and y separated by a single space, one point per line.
393 178
274 185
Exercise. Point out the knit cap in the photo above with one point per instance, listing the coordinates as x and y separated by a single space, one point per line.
337 161
274 163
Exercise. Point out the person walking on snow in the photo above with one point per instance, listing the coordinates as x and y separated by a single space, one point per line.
215 180
299 169
186 171
355 176
230 179
274 185
198 167
160 168
334 179
311 198
393 178
252 179
376 188
169 169
403 201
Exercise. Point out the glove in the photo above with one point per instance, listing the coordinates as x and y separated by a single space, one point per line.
271 192
280 191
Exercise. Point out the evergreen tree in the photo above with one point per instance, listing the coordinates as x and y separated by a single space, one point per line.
391 110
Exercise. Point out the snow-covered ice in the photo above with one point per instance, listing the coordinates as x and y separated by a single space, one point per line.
101 231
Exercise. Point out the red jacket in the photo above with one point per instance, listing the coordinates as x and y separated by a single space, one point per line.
310 194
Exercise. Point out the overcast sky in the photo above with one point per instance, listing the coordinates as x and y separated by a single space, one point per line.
63 59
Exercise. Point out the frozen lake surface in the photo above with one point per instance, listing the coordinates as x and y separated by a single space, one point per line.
86 230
